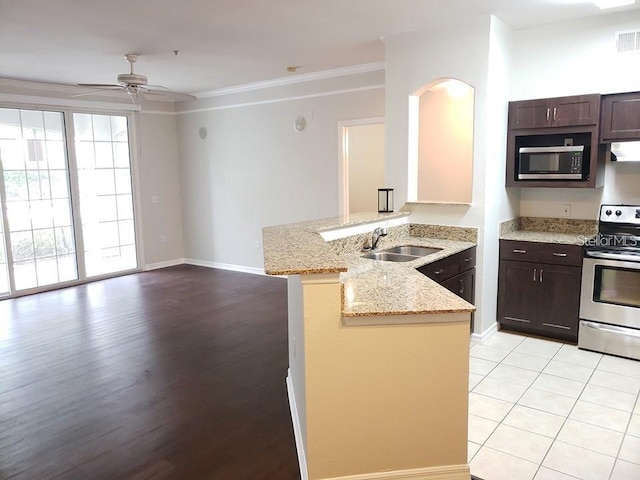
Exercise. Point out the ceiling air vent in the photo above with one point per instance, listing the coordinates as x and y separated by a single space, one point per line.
628 42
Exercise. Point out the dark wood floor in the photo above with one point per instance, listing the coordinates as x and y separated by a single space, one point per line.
173 374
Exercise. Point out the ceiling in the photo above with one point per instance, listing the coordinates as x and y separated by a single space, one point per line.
223 43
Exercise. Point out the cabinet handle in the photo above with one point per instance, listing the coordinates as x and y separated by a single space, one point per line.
534 274
467 259
517 319
461 286
541 280
438 272
555 254
556 326
555 110
548 111
519 251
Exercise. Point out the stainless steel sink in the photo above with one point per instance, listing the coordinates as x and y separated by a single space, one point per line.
390 257
413 250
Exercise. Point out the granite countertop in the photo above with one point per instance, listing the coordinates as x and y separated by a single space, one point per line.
370 287
549 230
547 237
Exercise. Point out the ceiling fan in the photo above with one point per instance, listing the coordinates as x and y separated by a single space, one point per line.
134 84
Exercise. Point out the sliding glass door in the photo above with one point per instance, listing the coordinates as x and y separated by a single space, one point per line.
65 217
106 200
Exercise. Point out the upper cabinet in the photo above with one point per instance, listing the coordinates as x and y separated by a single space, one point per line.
620 117
555 112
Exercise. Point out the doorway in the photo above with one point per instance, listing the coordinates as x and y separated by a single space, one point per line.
362 166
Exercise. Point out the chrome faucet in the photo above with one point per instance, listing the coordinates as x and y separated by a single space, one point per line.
377 234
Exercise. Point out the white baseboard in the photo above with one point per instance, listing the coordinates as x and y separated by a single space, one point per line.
224 266
445 472
168 263
297 430
486 334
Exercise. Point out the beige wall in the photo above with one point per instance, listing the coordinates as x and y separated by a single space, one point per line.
366 166
253 169
158 176
382 398
155 161
445 146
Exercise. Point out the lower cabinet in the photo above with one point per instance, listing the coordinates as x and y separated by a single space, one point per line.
537 296
456 273
463 285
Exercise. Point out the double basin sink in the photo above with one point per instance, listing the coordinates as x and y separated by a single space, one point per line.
403 253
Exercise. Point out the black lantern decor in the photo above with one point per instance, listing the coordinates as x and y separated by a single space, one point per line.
385 200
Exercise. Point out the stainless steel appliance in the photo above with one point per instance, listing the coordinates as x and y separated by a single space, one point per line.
610 295
553 163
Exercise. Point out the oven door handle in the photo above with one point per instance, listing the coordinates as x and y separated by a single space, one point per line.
612 256
610 329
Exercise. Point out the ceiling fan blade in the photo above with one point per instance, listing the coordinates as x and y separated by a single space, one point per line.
155 87
100 85
95 92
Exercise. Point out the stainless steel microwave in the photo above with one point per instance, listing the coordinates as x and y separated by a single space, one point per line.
553 163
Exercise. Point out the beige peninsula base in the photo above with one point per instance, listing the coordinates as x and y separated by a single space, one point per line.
386 400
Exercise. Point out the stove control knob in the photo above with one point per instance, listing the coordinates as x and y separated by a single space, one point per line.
618 213
608 212
637 212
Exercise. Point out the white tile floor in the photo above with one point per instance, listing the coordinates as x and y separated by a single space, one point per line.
543 410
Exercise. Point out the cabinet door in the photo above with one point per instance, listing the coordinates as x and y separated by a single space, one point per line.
462 285
559 287
530 114
518 293
575 110
621 117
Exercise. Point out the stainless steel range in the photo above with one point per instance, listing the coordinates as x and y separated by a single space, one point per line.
610 295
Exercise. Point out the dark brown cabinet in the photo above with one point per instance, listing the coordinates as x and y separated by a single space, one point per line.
539 288
555 112
456 273
620 118
556 121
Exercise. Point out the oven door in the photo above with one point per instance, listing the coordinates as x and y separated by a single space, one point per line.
610 291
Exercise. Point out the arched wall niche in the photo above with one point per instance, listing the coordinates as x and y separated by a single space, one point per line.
441 142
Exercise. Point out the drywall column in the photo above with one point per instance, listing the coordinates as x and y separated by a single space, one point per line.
389 400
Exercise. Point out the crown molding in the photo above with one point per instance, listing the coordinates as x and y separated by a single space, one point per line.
305 77
46 102
279 100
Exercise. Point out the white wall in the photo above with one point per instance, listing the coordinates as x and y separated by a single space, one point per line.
366 166
253 169
575 58
475 51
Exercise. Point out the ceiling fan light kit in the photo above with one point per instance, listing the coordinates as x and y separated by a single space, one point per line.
133 84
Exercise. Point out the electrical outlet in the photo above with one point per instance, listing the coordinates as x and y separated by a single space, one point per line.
566 210
155 199
258 244
163 239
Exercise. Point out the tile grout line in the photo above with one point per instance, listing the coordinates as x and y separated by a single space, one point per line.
555 439
566 417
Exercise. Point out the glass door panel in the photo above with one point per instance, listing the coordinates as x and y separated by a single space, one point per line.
36 198
106 201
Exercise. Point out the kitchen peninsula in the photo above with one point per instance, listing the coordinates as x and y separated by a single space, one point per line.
378 352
